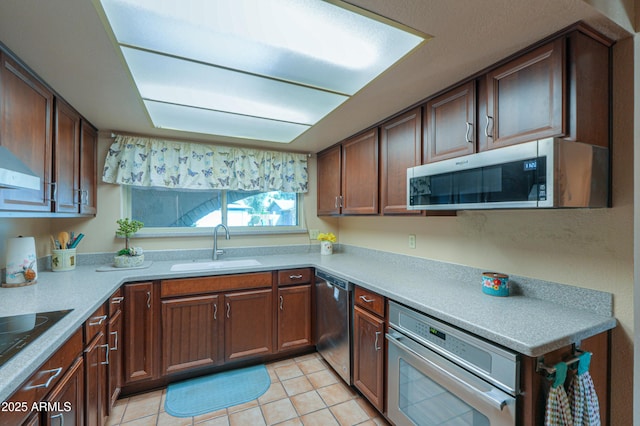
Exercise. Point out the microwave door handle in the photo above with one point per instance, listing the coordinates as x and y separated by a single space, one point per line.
494 397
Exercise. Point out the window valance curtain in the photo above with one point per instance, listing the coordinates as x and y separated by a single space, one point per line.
170 164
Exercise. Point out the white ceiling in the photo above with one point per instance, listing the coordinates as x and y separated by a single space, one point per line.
65 42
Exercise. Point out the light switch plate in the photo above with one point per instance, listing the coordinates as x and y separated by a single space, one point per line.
313 234
412 241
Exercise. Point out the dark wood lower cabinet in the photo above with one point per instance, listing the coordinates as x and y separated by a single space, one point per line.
141 347
115 357
96 400
294 316
368 356
190 333
65 403
248 327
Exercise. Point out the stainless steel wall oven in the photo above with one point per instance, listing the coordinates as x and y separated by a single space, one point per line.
440 375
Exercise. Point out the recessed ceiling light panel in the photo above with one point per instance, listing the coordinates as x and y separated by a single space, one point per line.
255 57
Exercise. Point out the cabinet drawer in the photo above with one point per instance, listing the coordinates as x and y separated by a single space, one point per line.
369 300
95 323
115 302
189 286
42 381
294 276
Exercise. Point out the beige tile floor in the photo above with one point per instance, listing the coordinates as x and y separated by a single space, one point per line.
304 391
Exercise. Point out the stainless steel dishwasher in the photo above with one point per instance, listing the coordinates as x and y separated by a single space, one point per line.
333 322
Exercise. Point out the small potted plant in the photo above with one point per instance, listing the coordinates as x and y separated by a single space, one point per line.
128 257
326 242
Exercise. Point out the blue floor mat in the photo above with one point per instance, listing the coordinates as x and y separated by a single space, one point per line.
217 391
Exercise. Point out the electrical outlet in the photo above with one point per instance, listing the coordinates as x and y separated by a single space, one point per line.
412 241
313 234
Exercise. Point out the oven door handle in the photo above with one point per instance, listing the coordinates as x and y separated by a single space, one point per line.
494 397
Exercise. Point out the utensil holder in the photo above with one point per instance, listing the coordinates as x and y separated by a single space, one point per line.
63 260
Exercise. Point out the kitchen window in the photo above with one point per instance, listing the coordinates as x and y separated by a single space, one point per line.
191 212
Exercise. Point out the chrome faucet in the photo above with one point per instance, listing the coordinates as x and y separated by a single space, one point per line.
216 252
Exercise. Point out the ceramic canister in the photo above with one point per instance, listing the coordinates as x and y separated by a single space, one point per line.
22 264
495 284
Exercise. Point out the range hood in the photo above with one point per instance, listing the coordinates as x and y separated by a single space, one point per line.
14 173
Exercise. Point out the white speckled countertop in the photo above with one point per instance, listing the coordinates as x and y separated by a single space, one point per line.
538 318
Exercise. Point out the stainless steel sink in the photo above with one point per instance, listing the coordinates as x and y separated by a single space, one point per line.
214 264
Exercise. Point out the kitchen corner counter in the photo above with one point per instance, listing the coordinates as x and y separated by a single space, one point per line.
538 318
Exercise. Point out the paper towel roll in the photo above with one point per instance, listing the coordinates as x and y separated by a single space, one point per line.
22 264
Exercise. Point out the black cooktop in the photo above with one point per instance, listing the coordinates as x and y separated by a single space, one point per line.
18 331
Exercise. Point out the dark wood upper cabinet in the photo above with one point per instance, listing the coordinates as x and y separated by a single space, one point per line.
50 138
450 124
400 148
329 189
26 108
360 174
348 176
66 168
190 333
525 97
88 170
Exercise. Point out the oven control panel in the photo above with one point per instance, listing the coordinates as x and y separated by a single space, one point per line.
487 360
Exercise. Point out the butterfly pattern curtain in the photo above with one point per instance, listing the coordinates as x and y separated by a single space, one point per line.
169 164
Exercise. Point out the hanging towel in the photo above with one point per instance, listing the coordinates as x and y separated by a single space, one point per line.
558 411
582 395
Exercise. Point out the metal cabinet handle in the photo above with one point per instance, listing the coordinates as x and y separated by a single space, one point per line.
97 320
85 197
106 351
117 300
56 372
115 346
148 300
79 191
228 310
467 136
375 345
364 299
54 187
215 312
336 202
295 277
281 302
341 201
58 416
486 129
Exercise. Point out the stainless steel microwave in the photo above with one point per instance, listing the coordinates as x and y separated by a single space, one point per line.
549 173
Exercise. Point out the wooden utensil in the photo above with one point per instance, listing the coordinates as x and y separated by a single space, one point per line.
63 237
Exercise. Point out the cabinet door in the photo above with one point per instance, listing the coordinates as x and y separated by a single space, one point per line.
26 108
525 97
88 169
294 316
400 148
450 124
140 354
329 181
115 358
190 333
96 359
360 174
66 164
368 356
67 398
248 327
